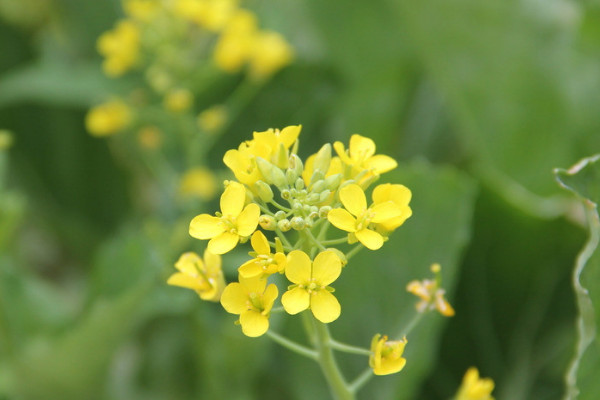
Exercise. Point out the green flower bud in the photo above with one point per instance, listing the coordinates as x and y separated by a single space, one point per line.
267 222
319 186
284 225
340 254
299 184
278 177
317 176
264 191
265 168
324 195
313 198
296 164
323 211
297 206
298 223
279 215
282 157
285 194
290 176
333 182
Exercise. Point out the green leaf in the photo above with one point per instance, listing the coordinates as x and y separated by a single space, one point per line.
583 179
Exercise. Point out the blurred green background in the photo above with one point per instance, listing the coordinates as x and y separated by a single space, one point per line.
477 100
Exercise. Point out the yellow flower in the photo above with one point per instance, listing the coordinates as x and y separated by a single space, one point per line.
120 47
212 119
310 288
252 299
178 100
265 263
269 54
235 44
205 277
431 294
198 182
234 222
356 218
212 15
360 160
475 388
143 10
108 118
386 357
401 196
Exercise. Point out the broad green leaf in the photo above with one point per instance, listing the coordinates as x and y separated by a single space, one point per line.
583 179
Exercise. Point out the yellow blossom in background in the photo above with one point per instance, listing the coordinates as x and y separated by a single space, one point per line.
401 196
310 288
252 300
265 263
431 294
270 53
235 221
198 182
108 118
212 15
120 48
386 355
356 218
178 100
360 160
203 276
475 388
212 119
6 139
149 137
236 42
142 10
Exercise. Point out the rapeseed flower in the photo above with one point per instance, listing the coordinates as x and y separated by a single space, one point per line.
198 182
233 223
264 262
360 160
120 47
108 118
310 288
212 119
203 276
475 388
270 53
401 196
252 300
431 294
386 357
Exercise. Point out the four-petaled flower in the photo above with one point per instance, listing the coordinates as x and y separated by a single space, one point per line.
475 388
310 288
386 357
205 277
234 222
264 263
252 300
357 219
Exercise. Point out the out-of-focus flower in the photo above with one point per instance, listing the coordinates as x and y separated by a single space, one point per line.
475 388
212 119
178 100
236 42
120 47
108 118
203 276
270 53
198 182
142 10
6 139
386 357
149 137
431 294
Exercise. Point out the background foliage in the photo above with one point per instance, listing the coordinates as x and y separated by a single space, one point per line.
479 101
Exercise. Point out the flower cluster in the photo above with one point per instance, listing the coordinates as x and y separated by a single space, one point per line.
431 294
296 204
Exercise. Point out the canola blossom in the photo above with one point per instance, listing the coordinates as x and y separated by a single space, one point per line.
203 276
475 388
386 357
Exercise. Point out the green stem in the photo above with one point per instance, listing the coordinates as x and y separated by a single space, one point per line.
293 346
348 348
313 239
361 380
281 207
326 359
283 238
354 250
411 324
335 241
323 231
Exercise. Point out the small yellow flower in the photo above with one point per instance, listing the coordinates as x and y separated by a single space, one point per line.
475 388
178 100
205 277
234 222
120 47
357 218
212 119
265 263
269 54
142 10
212 15
401 196
431 294
235 44
310 288
108 118
386 357
360 160
198 182
252 300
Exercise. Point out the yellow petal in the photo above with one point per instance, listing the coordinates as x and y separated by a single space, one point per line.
353 198
232 199
399 194
385 211
254 323
269 297
206 226
189 263
324 306
234 298
295 300
371 239
390 366
361 147
223 243
185 281
248 220
212 263
342 219
381 163
259 243
327 267
250 269
298 267
289 134
254 285
341 152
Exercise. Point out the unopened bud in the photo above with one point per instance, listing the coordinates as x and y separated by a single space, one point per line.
267 222
290 176
333 182
313 198
323 211
278 177
319 186
299 184
323 158
295 163
279 215
324 195
264 191
284 225
298 223
285 194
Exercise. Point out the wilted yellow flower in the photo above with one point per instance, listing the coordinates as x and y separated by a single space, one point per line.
269 54
212 119
386 357
475 388
253 300
178 100
356 218
431 294
360 160
198 182
143 10
264 262
205 277
234 222
108 118
149 137
401 196
311 280
120 47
